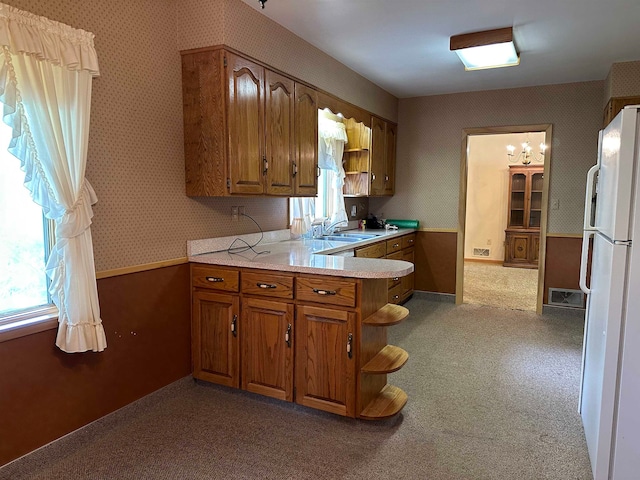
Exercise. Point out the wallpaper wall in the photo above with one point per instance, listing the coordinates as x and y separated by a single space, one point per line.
135 156
624 79
249 31
429 144
488 190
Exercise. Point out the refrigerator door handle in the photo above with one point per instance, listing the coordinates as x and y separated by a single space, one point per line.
584 260
588 204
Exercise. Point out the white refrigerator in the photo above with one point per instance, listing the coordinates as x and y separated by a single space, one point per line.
610 385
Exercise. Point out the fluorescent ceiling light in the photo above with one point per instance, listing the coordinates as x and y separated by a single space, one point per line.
488 49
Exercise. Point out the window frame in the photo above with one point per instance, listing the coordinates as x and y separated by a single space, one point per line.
37 318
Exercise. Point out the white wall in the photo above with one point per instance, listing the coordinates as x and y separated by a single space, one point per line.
488 191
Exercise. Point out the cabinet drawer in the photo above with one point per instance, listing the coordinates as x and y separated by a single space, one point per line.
377 250
395 294
326 290
267 284
214 278
394 245
394 281
408 240
395 255
408 255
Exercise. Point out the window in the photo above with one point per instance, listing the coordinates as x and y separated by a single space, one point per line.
323 202
24 243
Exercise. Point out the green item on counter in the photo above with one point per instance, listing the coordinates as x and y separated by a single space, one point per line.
403 223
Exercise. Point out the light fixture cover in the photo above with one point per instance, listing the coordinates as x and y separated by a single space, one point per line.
489 49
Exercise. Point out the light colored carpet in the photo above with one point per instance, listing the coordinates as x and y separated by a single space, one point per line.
492 395
497 286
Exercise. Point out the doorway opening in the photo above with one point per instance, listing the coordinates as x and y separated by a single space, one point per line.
503 217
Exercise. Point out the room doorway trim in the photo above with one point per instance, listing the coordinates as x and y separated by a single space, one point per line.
462 202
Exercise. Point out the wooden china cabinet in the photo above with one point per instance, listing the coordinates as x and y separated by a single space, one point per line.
522 235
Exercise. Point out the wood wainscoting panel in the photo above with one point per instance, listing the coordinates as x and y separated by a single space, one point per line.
562 264
435 257
46 393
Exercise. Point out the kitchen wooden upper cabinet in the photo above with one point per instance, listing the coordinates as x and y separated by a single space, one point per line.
326 359
247 130
216 352
267 355
383 157
279 133
306 141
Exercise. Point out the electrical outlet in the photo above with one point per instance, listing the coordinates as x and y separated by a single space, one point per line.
234 214
555 204
241 211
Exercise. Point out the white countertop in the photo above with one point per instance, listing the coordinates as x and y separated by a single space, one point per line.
301 256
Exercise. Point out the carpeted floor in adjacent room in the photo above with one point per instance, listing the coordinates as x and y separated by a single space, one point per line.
492 395
497 286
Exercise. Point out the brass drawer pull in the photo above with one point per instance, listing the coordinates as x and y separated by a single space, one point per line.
395 279
349 342
215 279
324 292
396 245
396 297
410 240
266 285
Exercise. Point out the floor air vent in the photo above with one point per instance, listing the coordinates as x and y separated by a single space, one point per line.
566 298
481 252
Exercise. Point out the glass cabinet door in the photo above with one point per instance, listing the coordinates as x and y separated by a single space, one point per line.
535 200
517 200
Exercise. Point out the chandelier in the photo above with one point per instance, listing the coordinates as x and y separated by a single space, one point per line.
526 155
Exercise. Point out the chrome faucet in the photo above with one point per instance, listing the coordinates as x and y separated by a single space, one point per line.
328 230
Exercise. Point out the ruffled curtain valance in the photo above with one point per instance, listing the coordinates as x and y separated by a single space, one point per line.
25 33
46 71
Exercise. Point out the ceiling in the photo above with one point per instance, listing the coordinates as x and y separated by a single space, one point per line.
403 45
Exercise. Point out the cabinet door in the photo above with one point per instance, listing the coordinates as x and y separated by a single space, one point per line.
390 159
518 248
535 248
325 371
246 125
377 155
279 133
517 200
306 141
215 330
536 183
267 354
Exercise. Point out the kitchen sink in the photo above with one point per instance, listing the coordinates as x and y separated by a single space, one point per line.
361 236
344 238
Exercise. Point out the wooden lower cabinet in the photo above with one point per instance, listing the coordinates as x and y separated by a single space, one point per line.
267 347
399 248
325 359
522 249
317 340
215 330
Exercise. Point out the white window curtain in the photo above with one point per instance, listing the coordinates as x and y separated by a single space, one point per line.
332 138
303 213
46 72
